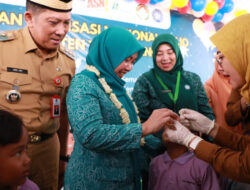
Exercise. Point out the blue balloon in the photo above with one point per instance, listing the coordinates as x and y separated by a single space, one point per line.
198 5
218 17
228 6
153 2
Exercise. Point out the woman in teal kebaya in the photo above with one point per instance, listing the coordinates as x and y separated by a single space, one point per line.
107 131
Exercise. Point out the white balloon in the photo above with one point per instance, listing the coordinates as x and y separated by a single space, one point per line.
198 27
166 4
198 14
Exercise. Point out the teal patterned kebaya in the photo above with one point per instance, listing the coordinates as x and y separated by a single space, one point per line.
106 153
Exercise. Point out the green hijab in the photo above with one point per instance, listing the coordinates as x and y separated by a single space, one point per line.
106 52
186 97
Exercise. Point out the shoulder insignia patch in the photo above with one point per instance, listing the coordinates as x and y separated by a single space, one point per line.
6 36
67 52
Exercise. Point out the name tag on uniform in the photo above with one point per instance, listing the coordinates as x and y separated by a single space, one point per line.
16 70
55 106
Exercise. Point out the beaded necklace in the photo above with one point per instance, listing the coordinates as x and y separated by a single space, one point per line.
123 113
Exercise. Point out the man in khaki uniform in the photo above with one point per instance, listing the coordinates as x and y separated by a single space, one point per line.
35 73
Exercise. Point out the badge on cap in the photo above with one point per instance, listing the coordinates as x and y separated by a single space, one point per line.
56 5
13 96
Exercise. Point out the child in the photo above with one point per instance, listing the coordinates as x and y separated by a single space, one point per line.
14 161
177 168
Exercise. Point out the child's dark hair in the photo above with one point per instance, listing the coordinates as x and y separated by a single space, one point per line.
10 128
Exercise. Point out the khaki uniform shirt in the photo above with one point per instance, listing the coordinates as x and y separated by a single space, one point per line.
22 67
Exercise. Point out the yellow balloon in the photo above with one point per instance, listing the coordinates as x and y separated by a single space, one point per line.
240 12
180 3
172 5
211 8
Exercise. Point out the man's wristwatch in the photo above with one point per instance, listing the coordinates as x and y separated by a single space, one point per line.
64 158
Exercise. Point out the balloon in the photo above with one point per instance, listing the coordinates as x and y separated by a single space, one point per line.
166 4
142 1
240 12
206 17
172 5
198 5
185 9
209 27
211 8
218 17
198 27
180 3
220 3
153 2
198 14
228 6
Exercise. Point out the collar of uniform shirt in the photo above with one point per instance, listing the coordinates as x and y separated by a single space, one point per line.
181 159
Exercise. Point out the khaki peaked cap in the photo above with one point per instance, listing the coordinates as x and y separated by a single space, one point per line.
57 5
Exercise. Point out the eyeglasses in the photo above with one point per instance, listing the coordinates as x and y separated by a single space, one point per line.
219 57
219 60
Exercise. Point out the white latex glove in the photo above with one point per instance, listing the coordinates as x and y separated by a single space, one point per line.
181 135
196 121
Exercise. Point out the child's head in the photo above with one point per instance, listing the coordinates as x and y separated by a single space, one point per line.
14 161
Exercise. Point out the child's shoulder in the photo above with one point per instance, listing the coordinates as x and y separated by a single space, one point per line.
28 185
200 163
157 159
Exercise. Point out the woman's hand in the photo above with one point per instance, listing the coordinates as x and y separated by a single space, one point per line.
196 121
158 120
180 134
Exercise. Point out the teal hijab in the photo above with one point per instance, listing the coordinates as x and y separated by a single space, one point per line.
186 97
106 52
